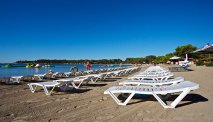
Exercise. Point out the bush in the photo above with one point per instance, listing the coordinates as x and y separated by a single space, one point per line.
210 64
199 63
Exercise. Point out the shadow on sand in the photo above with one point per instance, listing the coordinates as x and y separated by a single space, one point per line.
108 80
115 78
189 99
94 85
71 91
190 70
192 98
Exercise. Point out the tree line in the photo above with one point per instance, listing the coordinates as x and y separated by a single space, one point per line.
180 51
64 61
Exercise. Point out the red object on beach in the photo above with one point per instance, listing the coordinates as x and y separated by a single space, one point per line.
88 66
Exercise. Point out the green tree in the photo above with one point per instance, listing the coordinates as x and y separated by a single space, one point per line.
159 59
134 60
185 49
150 58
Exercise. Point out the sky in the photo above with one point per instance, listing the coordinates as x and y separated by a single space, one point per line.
101 29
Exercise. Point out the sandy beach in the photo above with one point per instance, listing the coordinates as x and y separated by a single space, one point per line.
89 104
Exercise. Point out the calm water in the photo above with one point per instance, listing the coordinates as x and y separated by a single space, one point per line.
22 71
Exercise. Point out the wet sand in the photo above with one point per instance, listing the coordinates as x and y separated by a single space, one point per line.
89 103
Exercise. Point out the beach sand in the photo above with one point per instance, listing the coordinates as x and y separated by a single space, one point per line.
89 103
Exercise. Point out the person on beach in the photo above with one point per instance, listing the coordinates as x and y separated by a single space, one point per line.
74 69
49 74
88 66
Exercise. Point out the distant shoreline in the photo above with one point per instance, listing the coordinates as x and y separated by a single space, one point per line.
67 63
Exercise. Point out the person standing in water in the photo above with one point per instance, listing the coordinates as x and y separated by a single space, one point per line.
88 66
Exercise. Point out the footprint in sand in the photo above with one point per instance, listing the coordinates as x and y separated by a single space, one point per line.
8 115
21 119
143 112
104 98
62 99
79 106
59 111
32 101
148 120
94 101
140 113
100 100
53 120
43 104
104 117
71 97
25 89
76 106
147 111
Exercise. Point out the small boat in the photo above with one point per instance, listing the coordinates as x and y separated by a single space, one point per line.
30 65
37 66
8 66
47 66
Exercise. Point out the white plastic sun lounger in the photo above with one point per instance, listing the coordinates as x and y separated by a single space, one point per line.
108 74
16 79
68 74
41 76
152 82
45 86
57 83
74 81
183 87
96 77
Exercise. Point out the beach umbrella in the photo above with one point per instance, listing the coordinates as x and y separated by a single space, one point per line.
206 49
174 58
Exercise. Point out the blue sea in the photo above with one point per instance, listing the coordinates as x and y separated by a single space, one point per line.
23 71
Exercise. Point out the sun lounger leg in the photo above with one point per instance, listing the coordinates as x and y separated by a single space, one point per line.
40 78
47 92
80 84
77 86
73 84
105 76
128 99
175 102
113 76
160 100
32 89
118 101
94 80
180 97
